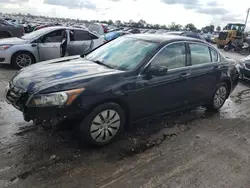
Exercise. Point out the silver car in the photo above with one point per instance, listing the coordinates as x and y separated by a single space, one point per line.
47 43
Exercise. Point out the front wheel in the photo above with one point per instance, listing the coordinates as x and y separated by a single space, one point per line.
22 59
226 48
219 97
103 124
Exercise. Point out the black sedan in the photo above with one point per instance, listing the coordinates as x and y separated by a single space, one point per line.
128 79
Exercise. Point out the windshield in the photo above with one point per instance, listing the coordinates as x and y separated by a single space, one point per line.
36 33
123 53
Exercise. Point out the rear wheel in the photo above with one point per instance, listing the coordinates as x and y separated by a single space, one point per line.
103 124
219 97
22 59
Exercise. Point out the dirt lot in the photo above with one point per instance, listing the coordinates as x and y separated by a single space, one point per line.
188 149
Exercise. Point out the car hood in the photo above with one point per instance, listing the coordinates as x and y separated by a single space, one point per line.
57 73
13 40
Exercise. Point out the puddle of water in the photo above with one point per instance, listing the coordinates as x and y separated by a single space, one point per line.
233 110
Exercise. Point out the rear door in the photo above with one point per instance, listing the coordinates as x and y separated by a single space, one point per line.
80 42
50 45
204 73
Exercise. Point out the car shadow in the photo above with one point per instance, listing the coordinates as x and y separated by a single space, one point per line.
6 67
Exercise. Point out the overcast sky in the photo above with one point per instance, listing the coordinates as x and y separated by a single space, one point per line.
199 12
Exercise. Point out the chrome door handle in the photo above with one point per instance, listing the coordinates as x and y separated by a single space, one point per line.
183 75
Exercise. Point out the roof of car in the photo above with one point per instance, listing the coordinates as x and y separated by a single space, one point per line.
162 38
65 27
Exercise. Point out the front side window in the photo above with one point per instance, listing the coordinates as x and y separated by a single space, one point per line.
36 34
55 36
123 53
199 54
172 56
214 55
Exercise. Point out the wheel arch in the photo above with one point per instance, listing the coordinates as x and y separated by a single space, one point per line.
26 51
121 103
229 84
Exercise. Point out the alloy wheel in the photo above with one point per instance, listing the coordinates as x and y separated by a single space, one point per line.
23 60
220 96
105 126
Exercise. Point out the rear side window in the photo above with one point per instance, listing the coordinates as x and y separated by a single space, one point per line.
80 35
199 54
93 36
53 37
172 56
214 55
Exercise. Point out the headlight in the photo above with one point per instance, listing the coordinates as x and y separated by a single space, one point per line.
5 47
64 98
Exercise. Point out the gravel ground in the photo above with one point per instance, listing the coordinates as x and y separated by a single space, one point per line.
189 149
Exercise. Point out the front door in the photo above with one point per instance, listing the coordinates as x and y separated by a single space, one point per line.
205 72
159 94
50 45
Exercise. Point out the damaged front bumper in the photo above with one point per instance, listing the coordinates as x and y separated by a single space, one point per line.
18 98
48 114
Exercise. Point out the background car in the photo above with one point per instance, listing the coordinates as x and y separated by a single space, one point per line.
98 28
45 44
244 68
134 30
110 87
115 34
8 29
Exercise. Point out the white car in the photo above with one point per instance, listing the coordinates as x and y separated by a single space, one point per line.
47 43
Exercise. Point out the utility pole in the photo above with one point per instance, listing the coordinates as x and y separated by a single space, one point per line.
247 18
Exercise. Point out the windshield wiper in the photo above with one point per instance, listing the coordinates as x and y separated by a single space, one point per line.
101 63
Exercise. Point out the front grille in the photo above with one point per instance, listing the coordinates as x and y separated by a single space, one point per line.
16 97
2 59
223 35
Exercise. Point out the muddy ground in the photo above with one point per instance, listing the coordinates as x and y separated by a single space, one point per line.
189 149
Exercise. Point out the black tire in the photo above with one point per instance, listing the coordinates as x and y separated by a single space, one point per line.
220 46
85 134
15 57
226 48
213 106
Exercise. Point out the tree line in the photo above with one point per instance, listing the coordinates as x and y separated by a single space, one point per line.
140 24
172 27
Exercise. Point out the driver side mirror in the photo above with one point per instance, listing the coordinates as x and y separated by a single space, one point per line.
156 71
